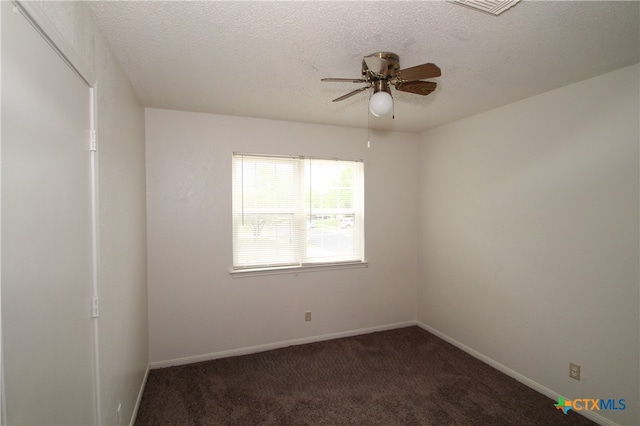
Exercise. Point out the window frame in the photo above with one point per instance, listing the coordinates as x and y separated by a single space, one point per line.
303 214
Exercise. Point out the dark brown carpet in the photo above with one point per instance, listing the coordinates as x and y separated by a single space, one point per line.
399 377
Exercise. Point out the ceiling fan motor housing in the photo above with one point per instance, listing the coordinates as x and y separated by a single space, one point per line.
381 65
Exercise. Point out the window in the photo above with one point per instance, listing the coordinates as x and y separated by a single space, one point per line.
292 211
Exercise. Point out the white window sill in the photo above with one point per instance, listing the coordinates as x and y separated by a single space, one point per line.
241 273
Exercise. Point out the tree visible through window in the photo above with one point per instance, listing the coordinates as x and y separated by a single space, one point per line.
290 211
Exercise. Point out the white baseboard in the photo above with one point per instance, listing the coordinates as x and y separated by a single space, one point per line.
514 374
134 415
276 345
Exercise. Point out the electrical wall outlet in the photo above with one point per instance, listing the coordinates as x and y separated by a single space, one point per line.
574 371
307 316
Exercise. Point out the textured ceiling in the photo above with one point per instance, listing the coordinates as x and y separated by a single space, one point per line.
266 59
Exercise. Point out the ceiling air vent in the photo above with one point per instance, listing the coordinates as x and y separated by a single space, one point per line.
495 7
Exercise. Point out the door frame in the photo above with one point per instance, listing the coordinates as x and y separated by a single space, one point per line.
40 21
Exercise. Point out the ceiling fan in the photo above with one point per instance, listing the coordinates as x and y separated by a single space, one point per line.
382 70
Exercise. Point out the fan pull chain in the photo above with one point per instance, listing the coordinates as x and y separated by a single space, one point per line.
393 110
368 129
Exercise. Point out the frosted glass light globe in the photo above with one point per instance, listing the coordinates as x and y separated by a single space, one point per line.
380 103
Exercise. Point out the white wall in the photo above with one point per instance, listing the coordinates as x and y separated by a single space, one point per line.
196 309
529 237
122 214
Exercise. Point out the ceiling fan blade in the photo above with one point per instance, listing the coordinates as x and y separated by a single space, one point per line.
345 80
419 72
418 87
348 95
